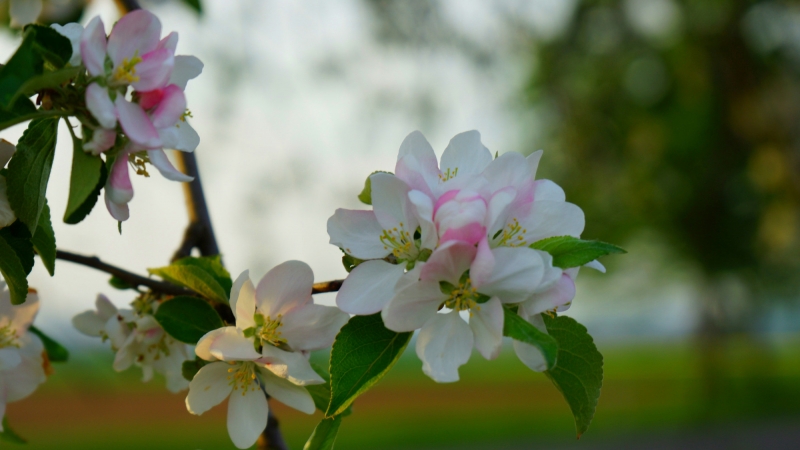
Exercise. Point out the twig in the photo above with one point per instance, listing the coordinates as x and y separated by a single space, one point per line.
327 286
128 277
199 233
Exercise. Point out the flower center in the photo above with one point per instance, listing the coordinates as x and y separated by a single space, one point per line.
448 174
8 336
268 330
401 243
513 235
462 297
243 376
126 72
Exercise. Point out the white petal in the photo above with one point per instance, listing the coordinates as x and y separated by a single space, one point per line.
409 278
24 12
186 68
180 136
9 358
208 388
73 32
243 301
528 354
288 393
358 233
517 273
486 322
99 104
369 287
203 347
533 162
417 164
7 150
424 210
231 345
23 379
596 265
390 202
247 415
509 170
444 344
548 219
466 153
285 287
89 323
293 366
105 308
449 262
551 273
7 216
159 159
559 294
126 354
412 307
312 327
21 316
546 190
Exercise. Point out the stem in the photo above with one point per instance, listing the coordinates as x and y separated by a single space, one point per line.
128 277
199 233
36 115
327 286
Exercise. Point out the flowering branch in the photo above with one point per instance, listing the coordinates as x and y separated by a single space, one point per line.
128 277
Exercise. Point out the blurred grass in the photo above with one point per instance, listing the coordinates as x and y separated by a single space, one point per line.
650 387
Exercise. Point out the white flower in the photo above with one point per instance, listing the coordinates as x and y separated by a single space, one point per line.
23 12
22 358
73 32
138 340
277 324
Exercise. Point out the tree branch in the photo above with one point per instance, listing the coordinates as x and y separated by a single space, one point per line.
327 286
199 233
128 277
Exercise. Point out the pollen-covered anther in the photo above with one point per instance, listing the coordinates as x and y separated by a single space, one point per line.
400 242
463 297
449 174
513 235
8 336
126 72
243 376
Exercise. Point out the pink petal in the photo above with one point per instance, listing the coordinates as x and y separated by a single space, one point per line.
171 108
481 269
136 124
102 140
448 262
93 47
159 159
118 211
417 164
149 99
471 233
154 70
100 105
118 187
136 33
170 42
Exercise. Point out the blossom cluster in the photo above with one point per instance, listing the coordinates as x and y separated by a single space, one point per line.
135 99
453 238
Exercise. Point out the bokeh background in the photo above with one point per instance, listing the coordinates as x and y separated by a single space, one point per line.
674 124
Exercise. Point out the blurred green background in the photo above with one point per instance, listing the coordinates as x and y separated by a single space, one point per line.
674 124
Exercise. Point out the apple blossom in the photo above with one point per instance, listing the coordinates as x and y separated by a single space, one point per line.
277 324
72 31
138 340
22 360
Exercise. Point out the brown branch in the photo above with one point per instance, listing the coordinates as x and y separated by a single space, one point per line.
327 286
132 279
199 233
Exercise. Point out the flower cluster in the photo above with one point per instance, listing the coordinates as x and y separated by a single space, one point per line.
455 237
137 338
277 325
23 361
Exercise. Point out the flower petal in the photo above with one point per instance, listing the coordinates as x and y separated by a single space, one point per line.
186 68
93 47
533 162
509 169
247 415
285 287
137 32
312 327
596 265
136 124
89 323
561 293
160 161
444 344
369 287
293 366
390 202
171 107
119 211
357 233
203 347
288 393
448 262
231 345
243 301
154 70
549 218
180 136
413 306
102 140
417 164
527 353
72 31
424 212
466 153
23 12
9 358
546 190
26 376
486 322
483 265
169 42
208 388
99 104
517 273
118 187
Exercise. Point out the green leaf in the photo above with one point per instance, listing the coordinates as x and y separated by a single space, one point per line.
363 352
18 237
119 283
190 368
324 435
29 171
47 80
366 194
213 266
85 182
569 252
579 372
44 241
521 330
187 319
195 5
13 273
194 278
9 435
22 110
350 262
55 351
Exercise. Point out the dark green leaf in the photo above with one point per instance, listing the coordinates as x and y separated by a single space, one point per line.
569 252
194 5
119 283
579 371
350 262
29 171
55 351
18 237
85 182
51 45
22 110
212 265
366 194
363 352
194 278
13 273
47 80
44 240
187 319
9 435
324 435
190 368
520 329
